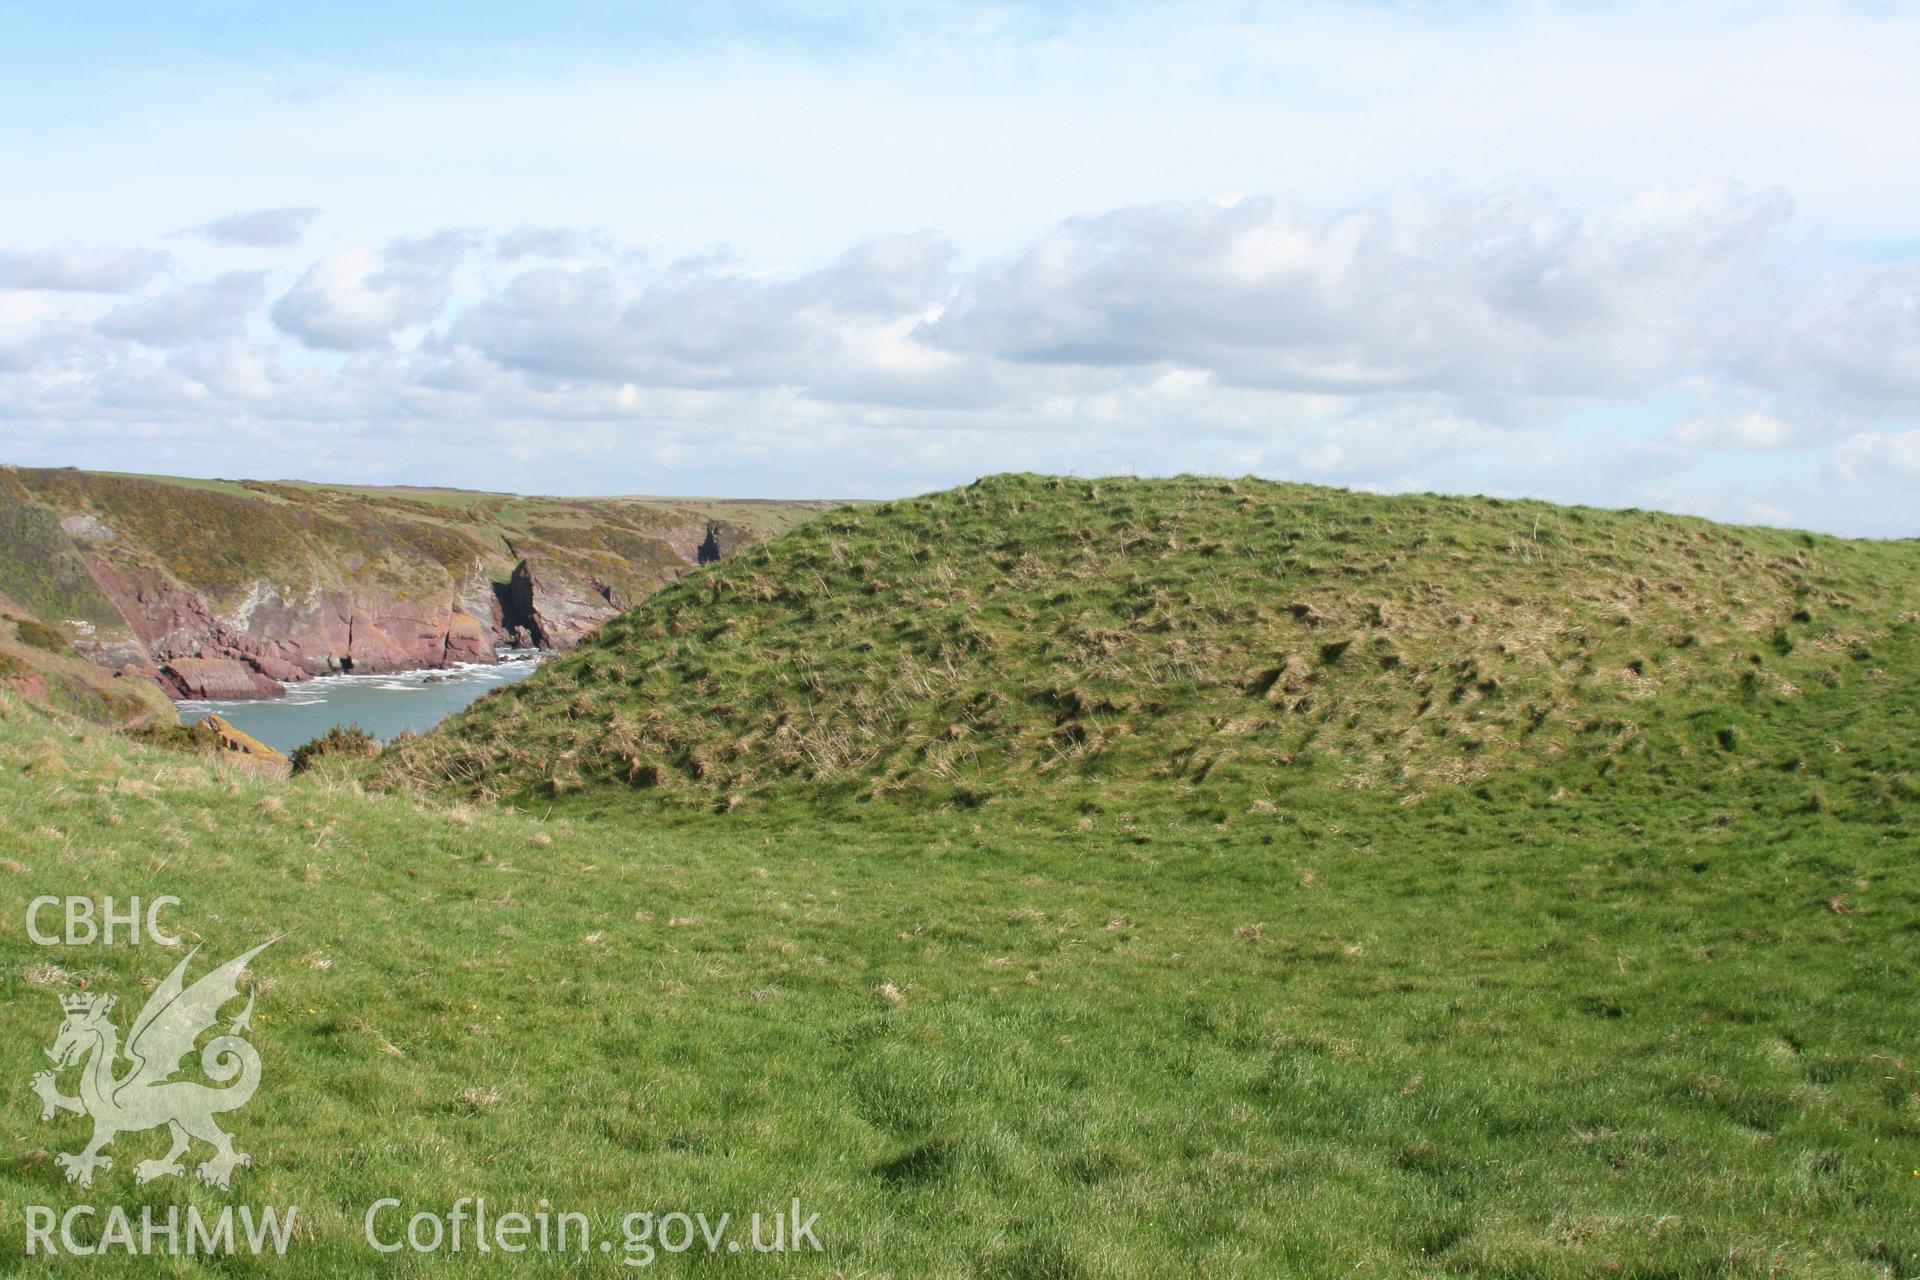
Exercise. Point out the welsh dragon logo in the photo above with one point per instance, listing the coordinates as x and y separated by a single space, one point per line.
145 1096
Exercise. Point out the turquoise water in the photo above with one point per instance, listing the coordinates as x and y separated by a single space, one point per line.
385 706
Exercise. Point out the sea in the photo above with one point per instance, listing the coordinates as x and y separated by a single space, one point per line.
384 705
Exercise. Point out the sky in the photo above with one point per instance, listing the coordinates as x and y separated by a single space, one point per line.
1629 255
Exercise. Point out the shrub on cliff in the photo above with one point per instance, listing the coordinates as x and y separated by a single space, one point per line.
39 635
197 738
342 744
39 569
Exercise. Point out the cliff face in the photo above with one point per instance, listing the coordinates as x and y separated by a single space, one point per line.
228 590
197 652
542 610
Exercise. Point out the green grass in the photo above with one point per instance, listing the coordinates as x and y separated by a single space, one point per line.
236 488
1641 1005
38 660
1578 1025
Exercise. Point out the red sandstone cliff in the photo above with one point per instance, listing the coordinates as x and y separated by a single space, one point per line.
231 589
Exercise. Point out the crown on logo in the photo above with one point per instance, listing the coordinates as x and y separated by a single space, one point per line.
76 1004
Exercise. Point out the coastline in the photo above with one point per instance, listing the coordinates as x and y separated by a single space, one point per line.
289 689
386 704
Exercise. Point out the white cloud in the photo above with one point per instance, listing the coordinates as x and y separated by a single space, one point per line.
1495 293
437 250
1738 429
188 312
552 242
352 301
262 228
78 269
842 333
25 324
1325 458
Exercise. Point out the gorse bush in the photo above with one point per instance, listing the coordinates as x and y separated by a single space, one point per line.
198 738
39 635
340 744
39 568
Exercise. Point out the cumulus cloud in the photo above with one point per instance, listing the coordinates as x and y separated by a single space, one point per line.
355 300
1440 337
843 332
1433 289
262 228
78 269
25 322
1851 335
188 312
438 250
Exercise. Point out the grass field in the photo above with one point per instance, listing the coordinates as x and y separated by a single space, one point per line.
1491 1036
1642 1006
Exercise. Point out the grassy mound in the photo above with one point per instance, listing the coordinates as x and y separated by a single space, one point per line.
1120 641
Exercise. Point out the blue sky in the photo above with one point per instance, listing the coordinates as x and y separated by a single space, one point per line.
1620 253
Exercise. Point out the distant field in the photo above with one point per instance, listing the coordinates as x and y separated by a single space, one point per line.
228 537
764 515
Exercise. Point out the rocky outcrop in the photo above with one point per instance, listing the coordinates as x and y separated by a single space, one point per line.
86 528
217 679
478 602
465 641
32 686
271 639
722 540
244 750
538 612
